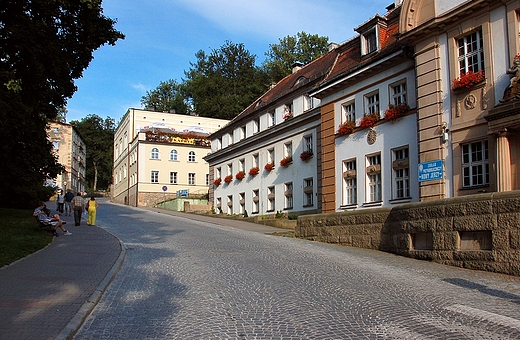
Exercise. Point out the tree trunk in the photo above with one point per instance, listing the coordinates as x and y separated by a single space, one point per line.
95 176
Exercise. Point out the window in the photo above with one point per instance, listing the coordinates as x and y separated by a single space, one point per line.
374 178
255 161
174 156
242 202
272 119
349 182
154 178
230 138
401 173
398 93
207 180
372 103
219 143
154 154
56 130
308 103
471 52
308 192
242 132
56 145
241 164
288 195
219 204
191 178
256 202
349 112
271 199
287 149
307 143
230 169
191 156
475 164
173 177
218 172
256 125
230 204
270 156
369 41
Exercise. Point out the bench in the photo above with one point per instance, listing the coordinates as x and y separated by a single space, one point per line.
46 226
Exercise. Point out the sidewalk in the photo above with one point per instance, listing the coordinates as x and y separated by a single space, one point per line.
48 294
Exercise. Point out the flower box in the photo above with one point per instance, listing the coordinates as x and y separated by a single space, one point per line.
306 155
286 161
468 80
346 128
217 181
396 111
288 115
228 179
240 175
369 120
254 171
269 166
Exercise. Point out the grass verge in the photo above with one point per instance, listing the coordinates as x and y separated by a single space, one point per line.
19 235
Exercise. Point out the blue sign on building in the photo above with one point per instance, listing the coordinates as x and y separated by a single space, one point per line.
184 193
429 171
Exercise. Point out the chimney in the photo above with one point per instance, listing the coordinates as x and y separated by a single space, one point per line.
296 66
333 46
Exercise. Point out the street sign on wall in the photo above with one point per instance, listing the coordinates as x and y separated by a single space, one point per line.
429 171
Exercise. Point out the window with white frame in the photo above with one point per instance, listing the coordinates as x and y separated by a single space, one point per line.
287 149
401 173
270 156
255 162
471 52
348 112
242 132
475 164
373 173
191 178
271 203
288 195
372 103
218 172
174 155
398 93
256 125
192 157
207 179
173 177
369 41
154 154
242 202
241 164
230 204
219 204
219 143
256 202
272 119
154 176
308 192
349 182
307 143
56 145
230 169
230 138
308 103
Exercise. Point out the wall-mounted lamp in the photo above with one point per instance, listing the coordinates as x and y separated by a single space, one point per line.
445 130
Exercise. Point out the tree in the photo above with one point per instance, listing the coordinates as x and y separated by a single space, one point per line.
44 47
98 135
223 83
301 48
165 98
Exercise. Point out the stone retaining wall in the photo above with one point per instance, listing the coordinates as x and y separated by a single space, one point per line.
477 232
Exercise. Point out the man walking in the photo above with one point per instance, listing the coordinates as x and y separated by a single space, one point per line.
68 202
78 205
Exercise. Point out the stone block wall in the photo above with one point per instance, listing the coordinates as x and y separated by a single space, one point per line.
479 232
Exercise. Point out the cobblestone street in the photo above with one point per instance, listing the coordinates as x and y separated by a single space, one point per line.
185 279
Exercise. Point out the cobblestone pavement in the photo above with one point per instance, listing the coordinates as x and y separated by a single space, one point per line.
185 279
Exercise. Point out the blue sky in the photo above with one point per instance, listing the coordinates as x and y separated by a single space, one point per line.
162 37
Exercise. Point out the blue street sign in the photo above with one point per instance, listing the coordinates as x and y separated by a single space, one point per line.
164 188
184 193
429 171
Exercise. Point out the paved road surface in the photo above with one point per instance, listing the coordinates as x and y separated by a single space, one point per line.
185 279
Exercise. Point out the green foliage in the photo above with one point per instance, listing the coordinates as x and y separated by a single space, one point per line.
20 235
301 48
245 214
166 97
223 83
98 134
279 214
292 216
45 46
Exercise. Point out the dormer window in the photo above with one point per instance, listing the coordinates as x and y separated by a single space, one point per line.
369 34
369 41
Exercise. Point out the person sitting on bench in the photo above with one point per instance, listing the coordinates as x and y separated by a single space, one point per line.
54 221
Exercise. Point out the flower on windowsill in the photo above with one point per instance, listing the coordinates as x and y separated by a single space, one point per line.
217 181
396 111
286 161
228 179
346 128
468 80
269 166
240 175
254 171
288 115
306 155
369 120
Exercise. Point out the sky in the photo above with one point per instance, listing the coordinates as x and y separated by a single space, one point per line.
163 36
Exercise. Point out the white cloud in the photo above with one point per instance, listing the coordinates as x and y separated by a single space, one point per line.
141 88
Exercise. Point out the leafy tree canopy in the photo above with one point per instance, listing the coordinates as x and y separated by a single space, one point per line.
44 46
98 134
165 98
301 48
224 82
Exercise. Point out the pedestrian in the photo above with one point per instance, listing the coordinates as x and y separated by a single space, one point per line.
78 205
68 202
60 201
92 206
54 220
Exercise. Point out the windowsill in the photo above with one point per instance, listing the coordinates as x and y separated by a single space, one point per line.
476 187
348 206
155 159
270 210
254 212
173 160
288 208
308 205
400 200
372 204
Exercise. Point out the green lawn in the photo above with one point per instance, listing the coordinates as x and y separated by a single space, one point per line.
20 235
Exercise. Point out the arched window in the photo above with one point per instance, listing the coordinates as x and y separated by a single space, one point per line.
154 153
191 156
174 155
